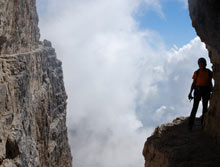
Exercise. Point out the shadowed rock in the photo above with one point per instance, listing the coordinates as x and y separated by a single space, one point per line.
205 15
173 145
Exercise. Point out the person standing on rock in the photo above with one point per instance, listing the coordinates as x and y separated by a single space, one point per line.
202 87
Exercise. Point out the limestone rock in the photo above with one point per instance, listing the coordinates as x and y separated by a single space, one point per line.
33 130
18 26
173 145
205 15
33 110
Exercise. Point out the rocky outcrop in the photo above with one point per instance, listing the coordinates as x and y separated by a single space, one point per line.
173 145
33 130
205 15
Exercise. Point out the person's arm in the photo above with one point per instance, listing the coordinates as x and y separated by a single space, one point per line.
191 90
190 97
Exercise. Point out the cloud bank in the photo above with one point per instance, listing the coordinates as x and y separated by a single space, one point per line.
120 80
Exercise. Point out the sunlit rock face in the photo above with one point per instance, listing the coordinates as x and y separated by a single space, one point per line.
18 26
33 130
205 15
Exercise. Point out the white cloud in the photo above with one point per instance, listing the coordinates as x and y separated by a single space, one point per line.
116 77
161 109
172 86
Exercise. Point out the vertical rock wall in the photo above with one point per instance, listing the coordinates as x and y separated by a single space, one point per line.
205 15
18 26
33 130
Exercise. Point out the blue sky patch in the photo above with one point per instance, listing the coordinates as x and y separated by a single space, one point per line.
174 27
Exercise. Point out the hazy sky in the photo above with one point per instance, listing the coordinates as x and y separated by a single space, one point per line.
127 67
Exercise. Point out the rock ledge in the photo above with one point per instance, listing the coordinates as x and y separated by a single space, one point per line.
173 145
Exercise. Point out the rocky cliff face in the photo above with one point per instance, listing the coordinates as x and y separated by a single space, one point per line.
33 129
173 145
18 26
205 16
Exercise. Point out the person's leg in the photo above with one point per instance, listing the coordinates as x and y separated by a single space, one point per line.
194 110
205 100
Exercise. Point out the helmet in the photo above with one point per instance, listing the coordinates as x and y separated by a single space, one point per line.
202 60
